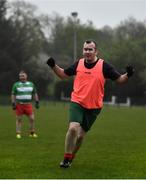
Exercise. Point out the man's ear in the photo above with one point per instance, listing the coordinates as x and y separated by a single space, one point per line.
97 52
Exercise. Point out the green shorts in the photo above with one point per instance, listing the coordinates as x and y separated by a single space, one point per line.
85 117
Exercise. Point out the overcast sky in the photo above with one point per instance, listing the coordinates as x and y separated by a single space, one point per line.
100 12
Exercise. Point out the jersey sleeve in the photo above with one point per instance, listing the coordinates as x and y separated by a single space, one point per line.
70 71
34 89
14 89
110 72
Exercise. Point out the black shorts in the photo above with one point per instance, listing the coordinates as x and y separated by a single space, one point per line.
85 117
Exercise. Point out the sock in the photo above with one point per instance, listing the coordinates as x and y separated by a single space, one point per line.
69 156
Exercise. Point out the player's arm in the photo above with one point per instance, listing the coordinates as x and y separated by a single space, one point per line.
57 70
13 97
13 100
36 97
111 73
124 77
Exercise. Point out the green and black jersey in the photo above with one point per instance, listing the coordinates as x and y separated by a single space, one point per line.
23 91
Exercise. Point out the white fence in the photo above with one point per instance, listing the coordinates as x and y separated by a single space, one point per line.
114 103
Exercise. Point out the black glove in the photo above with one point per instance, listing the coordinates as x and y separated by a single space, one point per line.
51 62
37 105
130 71
13 105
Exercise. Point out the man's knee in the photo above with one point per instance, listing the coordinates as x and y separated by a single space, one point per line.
31 117
73 130
19 119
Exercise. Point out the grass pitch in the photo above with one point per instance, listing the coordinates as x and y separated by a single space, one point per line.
115 147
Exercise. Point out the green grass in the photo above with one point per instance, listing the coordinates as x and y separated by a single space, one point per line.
114 148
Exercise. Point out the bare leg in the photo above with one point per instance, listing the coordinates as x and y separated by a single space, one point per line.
32 126
31 123
71 137
18 124
73 141
79 140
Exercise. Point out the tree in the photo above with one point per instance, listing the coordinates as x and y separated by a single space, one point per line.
22 42
7 65
3 9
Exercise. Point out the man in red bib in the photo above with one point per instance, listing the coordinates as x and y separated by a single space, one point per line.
87 95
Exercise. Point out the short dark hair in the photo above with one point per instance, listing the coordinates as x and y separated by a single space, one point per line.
88 41
22 72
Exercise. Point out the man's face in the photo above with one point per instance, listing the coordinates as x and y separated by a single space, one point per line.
23 77
89 51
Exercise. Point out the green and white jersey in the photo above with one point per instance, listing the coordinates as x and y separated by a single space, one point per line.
23 91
